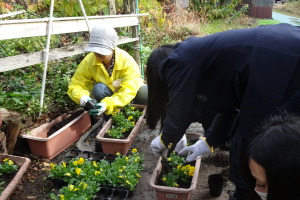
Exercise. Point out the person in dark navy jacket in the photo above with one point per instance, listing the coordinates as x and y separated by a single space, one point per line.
250 73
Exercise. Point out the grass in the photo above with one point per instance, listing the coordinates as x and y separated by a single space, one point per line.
224 25
291 8
267 21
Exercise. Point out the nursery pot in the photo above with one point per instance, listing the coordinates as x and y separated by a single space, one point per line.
215 183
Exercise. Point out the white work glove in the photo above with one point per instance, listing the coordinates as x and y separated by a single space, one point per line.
99 109
158 148
181 144
84 99
198 149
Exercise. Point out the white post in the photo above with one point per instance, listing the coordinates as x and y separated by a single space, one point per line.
84 14
46 54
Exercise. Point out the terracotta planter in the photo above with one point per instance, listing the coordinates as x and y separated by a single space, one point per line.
49 147
111 145
165 192
24 164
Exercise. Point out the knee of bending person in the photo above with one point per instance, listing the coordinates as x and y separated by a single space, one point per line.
141 96
101 91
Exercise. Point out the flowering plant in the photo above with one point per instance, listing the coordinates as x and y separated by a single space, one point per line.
7 166
85 177
124 121
179 171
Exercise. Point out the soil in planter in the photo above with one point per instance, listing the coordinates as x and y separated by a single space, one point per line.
6 178
70 117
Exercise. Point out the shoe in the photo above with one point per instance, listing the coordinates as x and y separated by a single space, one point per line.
231 195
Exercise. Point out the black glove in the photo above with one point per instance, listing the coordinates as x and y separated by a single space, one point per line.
90 104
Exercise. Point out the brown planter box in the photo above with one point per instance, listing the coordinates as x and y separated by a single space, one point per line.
24 164
49 147
111 145
165 192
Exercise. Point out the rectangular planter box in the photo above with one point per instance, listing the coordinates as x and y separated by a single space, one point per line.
24 164
49 147
111 145
167 193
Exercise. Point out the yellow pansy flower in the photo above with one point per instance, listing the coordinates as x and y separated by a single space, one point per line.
85 185
52 165
130 118
62 197
134 150
10 162
97 173
71 187
67 174
128 182
75 162
80 161
78 171
95 164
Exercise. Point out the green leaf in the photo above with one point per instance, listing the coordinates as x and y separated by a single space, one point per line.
77 8
69 10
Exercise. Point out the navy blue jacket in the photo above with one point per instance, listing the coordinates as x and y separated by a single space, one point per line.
245 69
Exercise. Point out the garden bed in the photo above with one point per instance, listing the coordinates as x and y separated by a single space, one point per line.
36 186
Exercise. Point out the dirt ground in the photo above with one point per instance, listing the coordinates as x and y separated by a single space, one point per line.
35 185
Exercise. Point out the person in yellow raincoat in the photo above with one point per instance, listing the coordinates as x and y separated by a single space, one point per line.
108 74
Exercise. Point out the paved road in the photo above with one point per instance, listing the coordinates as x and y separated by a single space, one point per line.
286 19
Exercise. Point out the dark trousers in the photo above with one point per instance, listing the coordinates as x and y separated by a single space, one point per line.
101 91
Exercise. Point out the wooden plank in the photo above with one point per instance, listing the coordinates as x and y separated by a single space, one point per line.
11 29
25 60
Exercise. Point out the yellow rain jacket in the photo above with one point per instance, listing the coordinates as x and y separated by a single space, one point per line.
125 80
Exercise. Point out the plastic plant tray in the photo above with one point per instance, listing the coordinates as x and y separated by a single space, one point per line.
88 155
113 193
106 192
